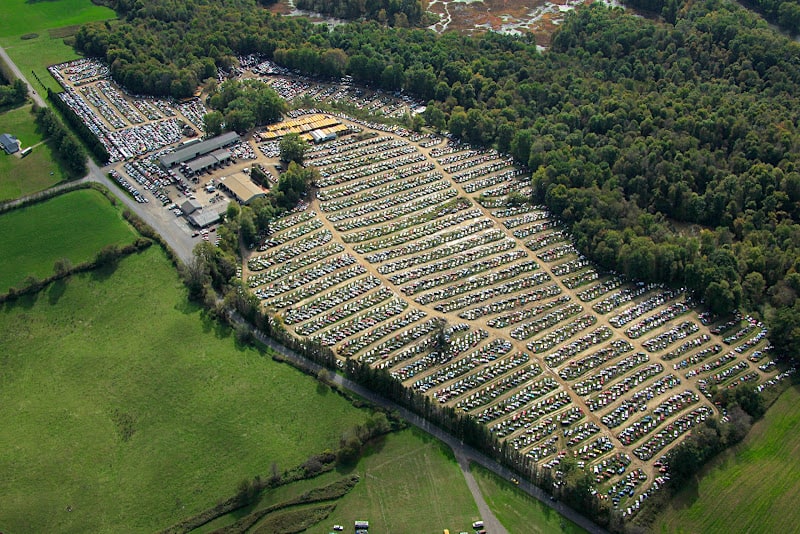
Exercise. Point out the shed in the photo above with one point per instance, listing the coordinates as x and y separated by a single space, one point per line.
196 150
10 143
241 187
190 206
203 218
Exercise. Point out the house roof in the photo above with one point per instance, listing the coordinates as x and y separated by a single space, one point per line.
9 142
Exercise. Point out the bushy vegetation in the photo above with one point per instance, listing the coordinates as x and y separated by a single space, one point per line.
12 94
243 105
400 13
68 149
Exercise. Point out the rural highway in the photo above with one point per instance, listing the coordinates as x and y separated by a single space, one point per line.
182 243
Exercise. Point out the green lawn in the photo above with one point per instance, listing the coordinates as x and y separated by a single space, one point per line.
36 55
19 17
37 171
755 487
124 410
409 482
518 511
74 225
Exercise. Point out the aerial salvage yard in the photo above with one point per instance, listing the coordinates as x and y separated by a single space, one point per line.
411 256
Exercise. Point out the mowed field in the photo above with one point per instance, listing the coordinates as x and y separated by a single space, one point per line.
751 488
74 226
124 409
518 511
408 482
20 17
35 172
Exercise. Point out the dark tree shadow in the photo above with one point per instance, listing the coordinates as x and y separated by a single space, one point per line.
56 291
104 272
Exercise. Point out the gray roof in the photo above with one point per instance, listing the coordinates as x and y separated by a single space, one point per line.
198 149
202 163
9 142
190 206
203 218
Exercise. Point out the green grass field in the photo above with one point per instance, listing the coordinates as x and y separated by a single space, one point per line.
20 17
36 55
37 171
518 511
755 487
409 482
23 17
74 225
123 404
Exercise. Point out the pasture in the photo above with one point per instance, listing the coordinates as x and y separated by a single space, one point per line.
22 17
36 55
750 488
19 177
74 225
124 408
518 511
407 481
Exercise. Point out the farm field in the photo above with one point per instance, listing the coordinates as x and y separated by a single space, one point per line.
19 177
518 511
406 480
74 225
750 488
51 22
21 17
126 409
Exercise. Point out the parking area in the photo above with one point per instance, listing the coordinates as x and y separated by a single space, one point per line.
557 358
410 256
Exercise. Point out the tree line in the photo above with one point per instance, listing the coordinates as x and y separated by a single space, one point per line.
68 150
12 94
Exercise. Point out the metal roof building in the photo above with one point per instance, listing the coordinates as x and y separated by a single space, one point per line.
190 206
241 187
198 149
10 143
203 218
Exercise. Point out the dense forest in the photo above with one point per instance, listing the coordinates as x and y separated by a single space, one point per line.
400 13
671 148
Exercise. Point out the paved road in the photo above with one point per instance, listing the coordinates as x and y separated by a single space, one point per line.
31 92
490 522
